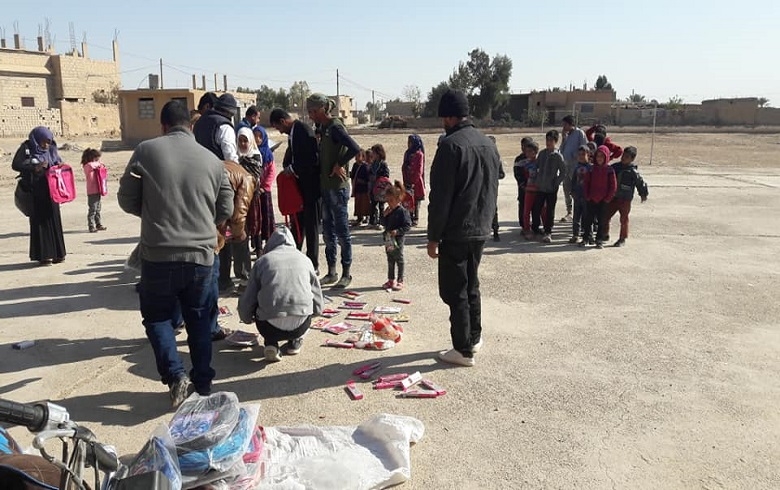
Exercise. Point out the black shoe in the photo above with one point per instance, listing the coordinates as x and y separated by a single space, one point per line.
330 278
293 347
344 282
179 391
496 238
221 334
599 244
573 239
620 243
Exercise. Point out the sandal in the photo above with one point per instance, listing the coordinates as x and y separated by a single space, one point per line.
390 284
398 286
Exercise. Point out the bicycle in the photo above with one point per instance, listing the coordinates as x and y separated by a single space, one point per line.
50 421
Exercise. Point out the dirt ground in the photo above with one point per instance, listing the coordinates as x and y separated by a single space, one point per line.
652 366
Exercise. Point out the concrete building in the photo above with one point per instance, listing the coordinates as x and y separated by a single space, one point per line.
742 111
590 104
344 108
140 109
70 93
397 108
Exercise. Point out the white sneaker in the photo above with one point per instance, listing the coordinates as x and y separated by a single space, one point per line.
454 357
476 347
272 353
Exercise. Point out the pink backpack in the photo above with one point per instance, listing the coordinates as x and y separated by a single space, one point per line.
62 184
101 174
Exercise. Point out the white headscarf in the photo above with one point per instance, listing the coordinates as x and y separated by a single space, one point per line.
253 150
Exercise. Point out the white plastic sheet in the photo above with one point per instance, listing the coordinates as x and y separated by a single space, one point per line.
374 455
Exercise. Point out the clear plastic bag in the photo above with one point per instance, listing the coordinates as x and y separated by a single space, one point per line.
202 421
221 455
158 454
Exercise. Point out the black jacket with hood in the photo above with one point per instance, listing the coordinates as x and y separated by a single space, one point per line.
464 186
628 179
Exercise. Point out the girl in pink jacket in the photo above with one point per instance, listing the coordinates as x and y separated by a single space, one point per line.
413 169
96 174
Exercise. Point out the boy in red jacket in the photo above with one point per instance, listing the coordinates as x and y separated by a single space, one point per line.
598 134
600 187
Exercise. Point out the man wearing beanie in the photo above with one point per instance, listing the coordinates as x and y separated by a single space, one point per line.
464 189
336 150
214 129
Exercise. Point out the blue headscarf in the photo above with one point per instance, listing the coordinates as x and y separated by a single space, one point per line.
265 150
49 156
417 145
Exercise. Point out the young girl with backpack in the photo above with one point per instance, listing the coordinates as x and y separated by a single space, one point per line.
96 174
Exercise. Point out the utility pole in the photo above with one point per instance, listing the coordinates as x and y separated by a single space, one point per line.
373 107
161 76
338 93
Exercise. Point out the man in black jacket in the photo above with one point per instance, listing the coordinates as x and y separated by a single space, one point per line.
464 190
301 159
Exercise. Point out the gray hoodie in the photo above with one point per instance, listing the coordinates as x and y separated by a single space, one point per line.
282 283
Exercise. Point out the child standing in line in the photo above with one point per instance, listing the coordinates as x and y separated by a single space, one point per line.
600 187
577 191
266 181
519 172
531 174
96 174
359 176
628 179
377 168
397 224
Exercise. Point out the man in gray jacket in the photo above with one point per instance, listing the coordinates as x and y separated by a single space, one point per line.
282 295
573 138
552 171
180 191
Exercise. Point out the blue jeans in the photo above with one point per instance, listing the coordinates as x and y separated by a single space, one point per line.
178 319
335 224
164 285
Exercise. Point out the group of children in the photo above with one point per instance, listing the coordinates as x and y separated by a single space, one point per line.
599 190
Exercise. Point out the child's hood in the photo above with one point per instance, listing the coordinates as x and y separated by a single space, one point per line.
605 151
281 237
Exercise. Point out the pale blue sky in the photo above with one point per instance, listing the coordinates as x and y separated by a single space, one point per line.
694 49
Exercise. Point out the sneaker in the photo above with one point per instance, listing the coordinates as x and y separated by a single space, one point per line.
101 228
293 347
546 238
93 230
398 286
221 334
179 391
271 353
528 235
496 238
620 243
573 239
329 278
389 284
343 283
599 244
584 242
454 357
476 347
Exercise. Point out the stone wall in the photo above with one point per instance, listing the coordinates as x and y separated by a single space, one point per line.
19 121
768 116
79 78
89 118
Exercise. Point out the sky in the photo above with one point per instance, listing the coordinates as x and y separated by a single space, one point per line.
686 48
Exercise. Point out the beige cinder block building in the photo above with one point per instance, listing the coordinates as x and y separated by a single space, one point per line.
140 109
70 93
590 104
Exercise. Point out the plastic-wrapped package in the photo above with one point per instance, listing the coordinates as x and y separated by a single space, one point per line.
215 479
158 454
245 475
386 329
202 421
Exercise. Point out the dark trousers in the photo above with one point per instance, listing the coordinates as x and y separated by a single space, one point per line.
309 221
520 205
163 286
495 222
93 213
416 212
237 254
623 206
542 198
272 335
395 257
594 210
178 319
377 208
577 226
459 289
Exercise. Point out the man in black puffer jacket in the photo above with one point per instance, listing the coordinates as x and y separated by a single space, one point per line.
464 189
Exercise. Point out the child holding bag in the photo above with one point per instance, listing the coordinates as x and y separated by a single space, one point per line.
397 223
96 174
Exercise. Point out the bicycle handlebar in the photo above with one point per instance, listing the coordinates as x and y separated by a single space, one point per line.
33 416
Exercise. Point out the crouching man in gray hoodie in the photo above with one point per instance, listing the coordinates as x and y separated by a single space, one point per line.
282 295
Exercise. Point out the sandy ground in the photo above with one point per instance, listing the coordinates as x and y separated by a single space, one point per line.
652 366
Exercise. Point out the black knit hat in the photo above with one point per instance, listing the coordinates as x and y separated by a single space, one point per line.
453 104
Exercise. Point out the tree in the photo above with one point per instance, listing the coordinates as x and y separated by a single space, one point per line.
411 93
674 103
298 93
602 83
763 102
485 81
431 107
637 98
268 98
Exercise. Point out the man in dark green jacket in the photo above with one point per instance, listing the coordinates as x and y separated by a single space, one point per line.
464 189
336 150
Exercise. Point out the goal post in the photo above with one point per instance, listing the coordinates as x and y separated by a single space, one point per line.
654 108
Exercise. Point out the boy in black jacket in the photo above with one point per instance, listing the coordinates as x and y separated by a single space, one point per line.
628 179
397 223
520 177
577 191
